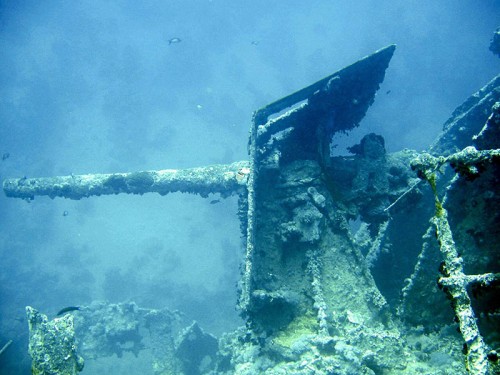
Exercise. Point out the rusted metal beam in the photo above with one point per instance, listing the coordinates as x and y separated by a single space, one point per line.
223 179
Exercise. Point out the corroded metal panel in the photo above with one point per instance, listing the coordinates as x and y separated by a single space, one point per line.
287 187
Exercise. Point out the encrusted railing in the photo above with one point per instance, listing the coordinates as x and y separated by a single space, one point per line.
453 280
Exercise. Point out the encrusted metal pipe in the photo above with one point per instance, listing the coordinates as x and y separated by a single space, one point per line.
224 179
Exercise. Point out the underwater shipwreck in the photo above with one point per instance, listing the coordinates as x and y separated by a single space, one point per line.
376 263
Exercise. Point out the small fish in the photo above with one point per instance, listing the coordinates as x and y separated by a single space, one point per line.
65 213
215 201
68 309
174 41
255 42
387 92
5 156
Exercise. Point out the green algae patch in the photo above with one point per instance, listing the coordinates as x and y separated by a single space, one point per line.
304 325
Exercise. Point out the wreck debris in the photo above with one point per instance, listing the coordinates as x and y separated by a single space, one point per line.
372 179
313 267
107 329
454 284
336 103
248 222
490 133
306 287
376 245
114 329
466 162
104 330
162 325
196 350
467 120
223 179
472 207
454 281
52 344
